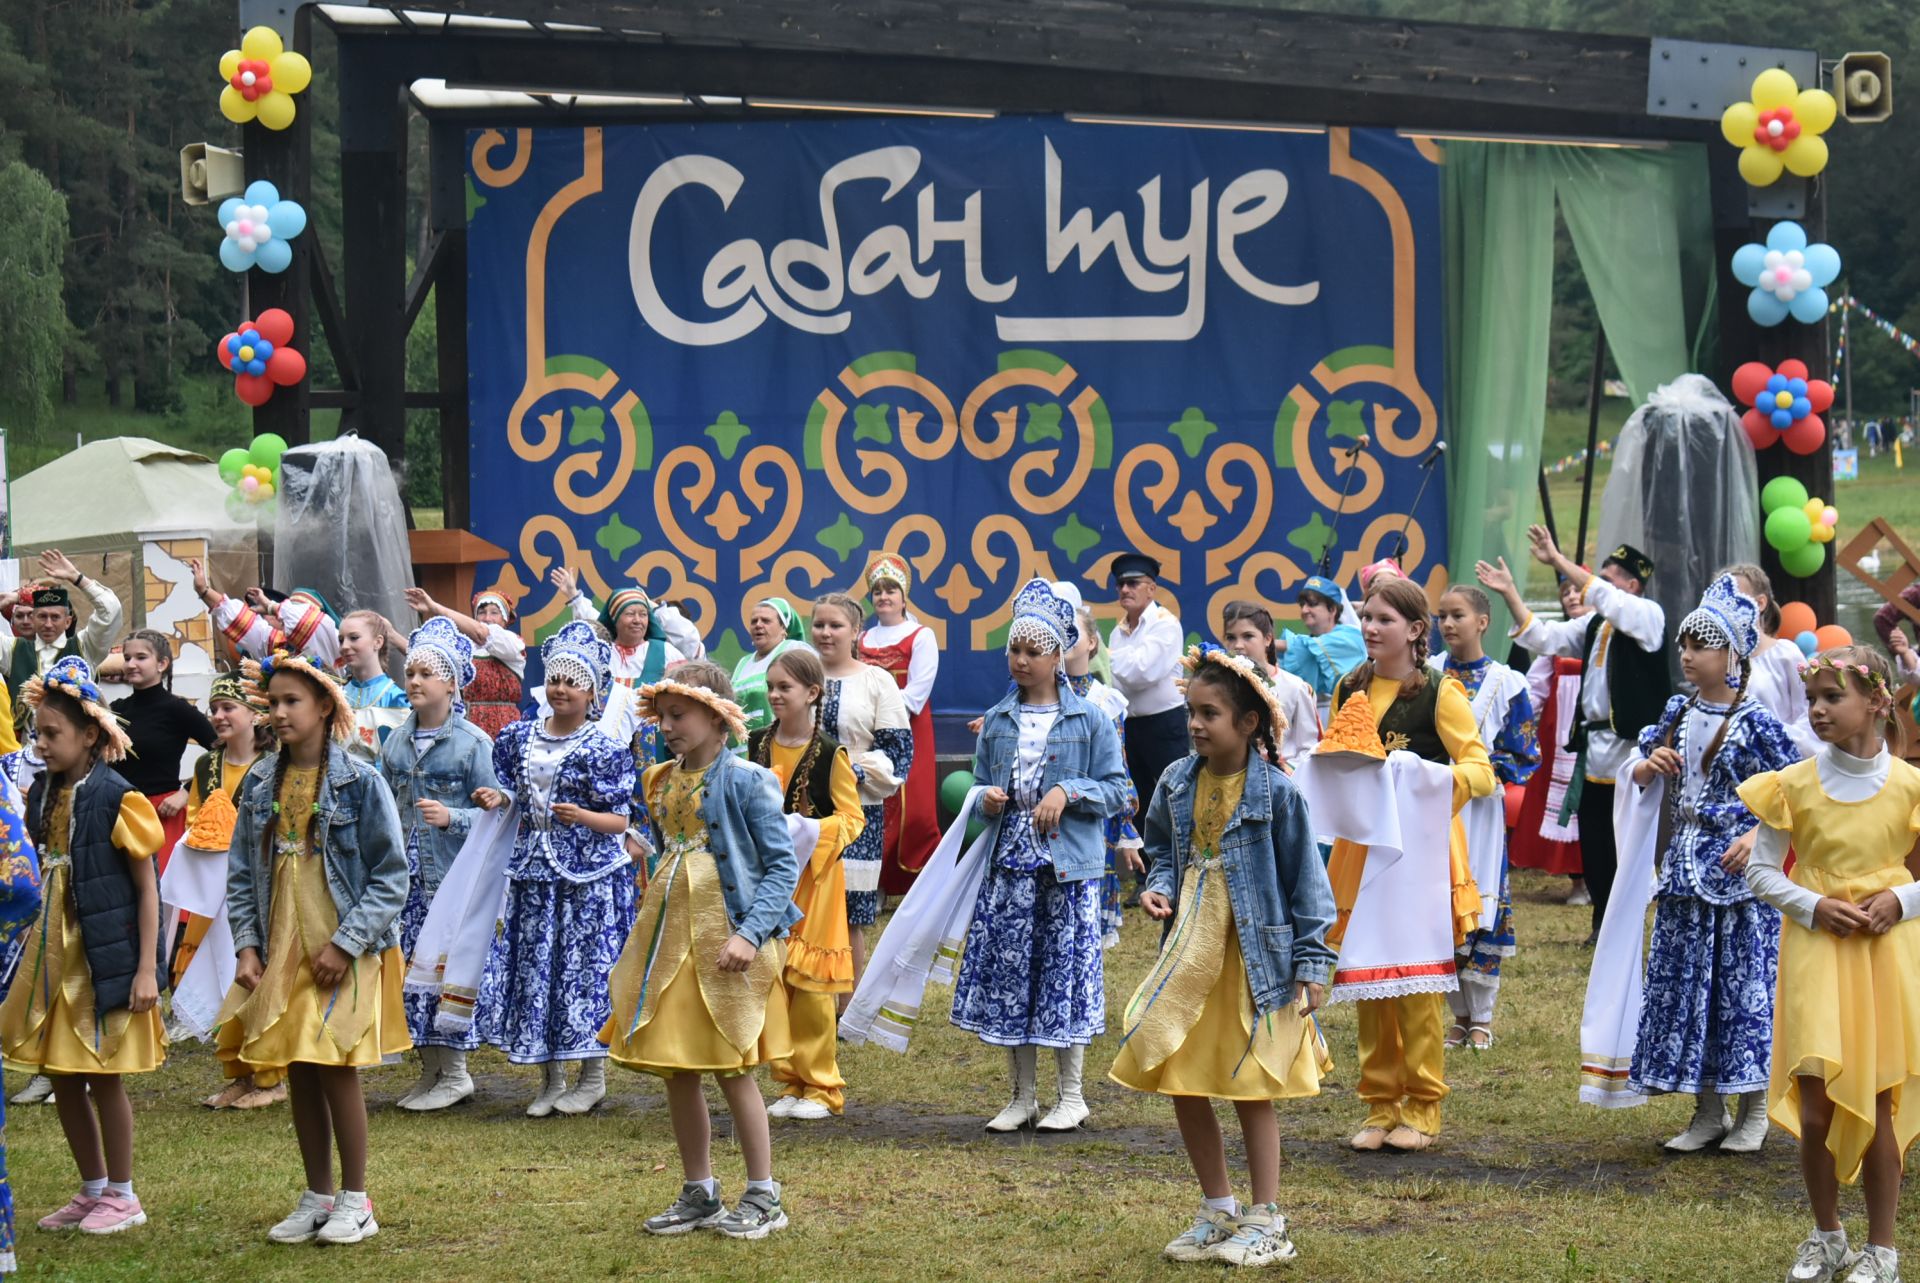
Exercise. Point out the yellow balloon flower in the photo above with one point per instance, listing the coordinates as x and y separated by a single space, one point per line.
262 75
1779 131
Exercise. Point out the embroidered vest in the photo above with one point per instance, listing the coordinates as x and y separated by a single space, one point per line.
1408 722
820 779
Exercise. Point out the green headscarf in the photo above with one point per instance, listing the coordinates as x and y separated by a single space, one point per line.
788 616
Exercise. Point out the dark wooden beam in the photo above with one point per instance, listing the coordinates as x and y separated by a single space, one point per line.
373 198
425 272
447 215
333 322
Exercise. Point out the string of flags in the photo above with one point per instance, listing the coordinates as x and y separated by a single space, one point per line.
1886 327
1575 460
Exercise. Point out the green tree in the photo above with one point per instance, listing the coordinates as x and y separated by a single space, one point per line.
33 317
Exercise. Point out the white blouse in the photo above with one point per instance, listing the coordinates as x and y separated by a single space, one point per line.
923 665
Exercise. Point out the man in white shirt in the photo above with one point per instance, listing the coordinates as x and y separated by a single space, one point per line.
1624 683
1145 652
54 626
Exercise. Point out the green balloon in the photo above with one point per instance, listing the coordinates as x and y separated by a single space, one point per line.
976 826
267 448
230 464
1788 529
1782 492
1805 561
953 791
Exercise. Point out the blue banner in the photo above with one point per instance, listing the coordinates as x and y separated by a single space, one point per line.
734 360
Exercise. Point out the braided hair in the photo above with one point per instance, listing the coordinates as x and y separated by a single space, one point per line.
1409 601
803 666
162 647
1242 698
283 759
70 708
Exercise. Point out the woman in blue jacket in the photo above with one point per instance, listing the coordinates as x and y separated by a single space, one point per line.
1031 975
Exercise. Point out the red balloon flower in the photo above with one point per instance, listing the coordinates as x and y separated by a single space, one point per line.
1774 394
259 357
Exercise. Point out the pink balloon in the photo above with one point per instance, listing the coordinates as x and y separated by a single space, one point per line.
1830 516
249 484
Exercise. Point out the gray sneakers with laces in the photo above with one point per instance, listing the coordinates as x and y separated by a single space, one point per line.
1875 1265
1209 1229
1259 1237
694 1209
756 1215
1820 1259
304 1222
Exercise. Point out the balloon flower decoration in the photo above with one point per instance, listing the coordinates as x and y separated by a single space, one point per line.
1789 276
1798 527
254 473
1799 624
259 228
1787 405
1779 131
262 76
259 357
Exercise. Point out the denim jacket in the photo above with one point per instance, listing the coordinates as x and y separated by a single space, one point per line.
1083 758
357 833
1282 902
457 761
742 807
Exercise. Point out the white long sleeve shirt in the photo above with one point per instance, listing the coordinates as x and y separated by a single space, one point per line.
1302 708
1640 618
923 665
1844 778
506 647
680 633
1146 660
94 639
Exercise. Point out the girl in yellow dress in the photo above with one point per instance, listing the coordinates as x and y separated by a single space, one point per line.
1224 1014
1402 1038
696 990
83 1008
820 787
317 876
1846 1024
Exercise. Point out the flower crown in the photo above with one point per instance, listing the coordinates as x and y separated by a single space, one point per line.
1209 655
1827 663
725 709
71 676
339 712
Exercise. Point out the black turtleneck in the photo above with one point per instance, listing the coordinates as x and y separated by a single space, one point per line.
159 723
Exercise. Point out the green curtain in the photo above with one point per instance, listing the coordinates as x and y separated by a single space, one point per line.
1641 226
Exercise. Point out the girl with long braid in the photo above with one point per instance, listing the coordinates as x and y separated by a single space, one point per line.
822 793
317 876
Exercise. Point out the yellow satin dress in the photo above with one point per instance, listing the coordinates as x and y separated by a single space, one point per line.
1402 1040
48 1024
1847 1011
288 1018
1190 1029
674 1010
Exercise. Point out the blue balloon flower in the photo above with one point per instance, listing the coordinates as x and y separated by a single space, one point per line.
259 226
1789 277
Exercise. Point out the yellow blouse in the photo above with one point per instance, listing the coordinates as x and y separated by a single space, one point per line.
48 1021
820 950
1473 777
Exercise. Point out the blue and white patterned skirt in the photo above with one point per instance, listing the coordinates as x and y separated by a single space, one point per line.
1033 971
1482 952
863 864
423 1007
544 996
1706 1020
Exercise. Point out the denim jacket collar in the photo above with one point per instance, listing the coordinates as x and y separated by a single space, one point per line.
1072 704
1256 798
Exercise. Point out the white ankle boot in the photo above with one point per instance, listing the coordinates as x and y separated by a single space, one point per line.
429 1075
1024 1107
454 1086
589 1089
1709 1125
1750 1127
1071 1111
553 1085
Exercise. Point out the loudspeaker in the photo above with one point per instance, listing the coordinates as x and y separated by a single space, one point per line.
209 173
1863 82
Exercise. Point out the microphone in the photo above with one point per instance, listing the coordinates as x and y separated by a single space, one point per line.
1433 455
1360 443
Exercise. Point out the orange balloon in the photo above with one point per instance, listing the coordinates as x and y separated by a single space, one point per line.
1796 617
1829 636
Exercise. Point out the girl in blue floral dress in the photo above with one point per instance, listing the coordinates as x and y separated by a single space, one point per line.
1503 710
19 905
1032 974
1706 1019
570 884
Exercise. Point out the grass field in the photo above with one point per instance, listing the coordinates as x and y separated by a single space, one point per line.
1525 1184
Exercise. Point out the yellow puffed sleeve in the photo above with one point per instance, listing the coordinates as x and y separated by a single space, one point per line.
1768 801
844 827
1453 719
652 781
138 832
9 742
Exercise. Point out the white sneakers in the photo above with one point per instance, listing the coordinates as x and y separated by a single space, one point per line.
351 1220
39 1088
1256 1237
304 1221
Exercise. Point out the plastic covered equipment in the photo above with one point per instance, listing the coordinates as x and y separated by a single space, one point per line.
342 530
1684 490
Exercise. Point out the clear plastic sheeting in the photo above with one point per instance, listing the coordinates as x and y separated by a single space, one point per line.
1685 491
342 530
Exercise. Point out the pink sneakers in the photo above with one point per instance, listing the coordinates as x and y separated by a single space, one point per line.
112 1213
70 1216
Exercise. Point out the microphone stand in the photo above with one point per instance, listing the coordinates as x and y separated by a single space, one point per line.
1333 539
1426 475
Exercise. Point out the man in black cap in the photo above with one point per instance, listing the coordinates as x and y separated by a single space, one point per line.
1624 682
1145 653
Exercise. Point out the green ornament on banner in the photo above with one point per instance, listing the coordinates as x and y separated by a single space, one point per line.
1782 492
1788 529
1805 561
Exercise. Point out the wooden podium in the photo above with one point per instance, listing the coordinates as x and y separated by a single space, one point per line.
444 562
